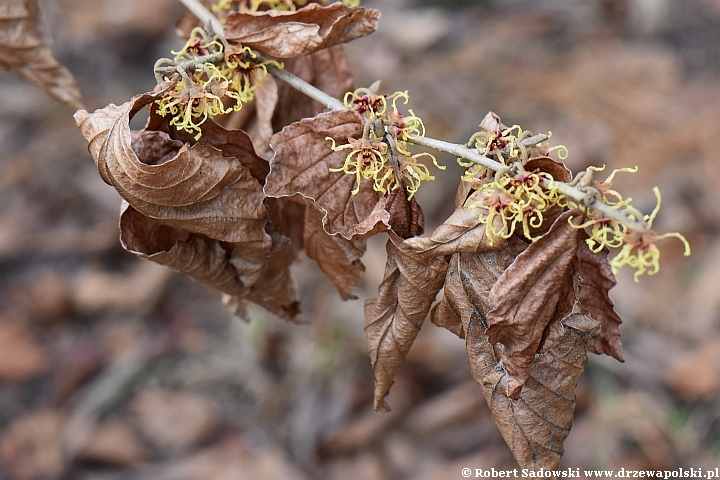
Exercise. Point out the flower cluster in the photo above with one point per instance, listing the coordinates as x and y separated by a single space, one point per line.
512 197
382 154
606 231
518 200
201 82
638 246
507 146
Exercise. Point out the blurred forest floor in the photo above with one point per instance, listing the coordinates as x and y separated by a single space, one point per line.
114 368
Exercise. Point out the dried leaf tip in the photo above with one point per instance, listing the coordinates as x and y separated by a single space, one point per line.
23 48
250 6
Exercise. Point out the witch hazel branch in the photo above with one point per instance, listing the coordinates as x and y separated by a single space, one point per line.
495 157
258 148
519 198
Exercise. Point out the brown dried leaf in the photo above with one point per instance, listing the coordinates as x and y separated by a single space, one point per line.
536 424
337 257
22 49
558 170
393 320
472 275
596 280
444 313
327 69
261 130
275 290
536 289
197 190
225 266
464 190
201 258
213 203
302 165
461 232
288 34
406 216
492 123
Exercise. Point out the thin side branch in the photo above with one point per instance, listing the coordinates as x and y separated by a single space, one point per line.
303 87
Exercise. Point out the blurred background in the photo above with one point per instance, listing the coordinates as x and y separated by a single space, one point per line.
114 368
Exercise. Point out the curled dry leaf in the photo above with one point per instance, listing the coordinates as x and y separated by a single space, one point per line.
23 50
302 163
288 34
491 123
198 189
194 208
212 262
596 280
276 290
537 288
232 143
337 257
201 258
393 320
536 424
